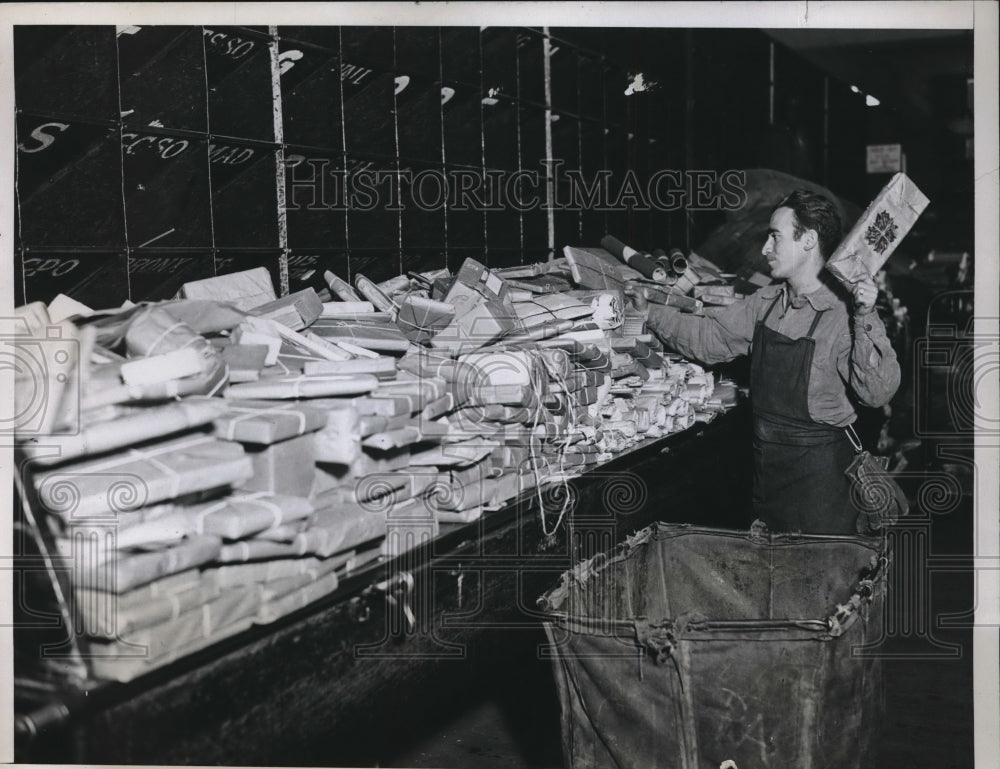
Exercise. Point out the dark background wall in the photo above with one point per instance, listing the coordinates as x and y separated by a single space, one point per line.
148 156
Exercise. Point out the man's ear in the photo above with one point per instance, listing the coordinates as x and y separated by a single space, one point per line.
810 239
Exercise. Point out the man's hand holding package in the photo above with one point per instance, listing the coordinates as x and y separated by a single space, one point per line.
865 294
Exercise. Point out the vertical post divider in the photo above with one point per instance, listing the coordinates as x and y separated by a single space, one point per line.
121 155
549 179
279 160
770 85
689 117
444 155
208 157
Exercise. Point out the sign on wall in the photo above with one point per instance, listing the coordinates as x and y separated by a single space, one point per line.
884 158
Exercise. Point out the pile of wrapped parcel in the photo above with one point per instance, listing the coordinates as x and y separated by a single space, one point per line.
227 457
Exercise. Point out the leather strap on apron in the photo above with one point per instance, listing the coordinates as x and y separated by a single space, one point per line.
799 481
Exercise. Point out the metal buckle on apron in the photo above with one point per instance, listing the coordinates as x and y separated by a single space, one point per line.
852 436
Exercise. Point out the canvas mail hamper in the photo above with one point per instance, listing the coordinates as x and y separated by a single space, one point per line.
694 648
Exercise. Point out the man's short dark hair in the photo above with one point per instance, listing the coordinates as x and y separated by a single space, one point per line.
814 212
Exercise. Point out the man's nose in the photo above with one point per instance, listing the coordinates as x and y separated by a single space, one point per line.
767 247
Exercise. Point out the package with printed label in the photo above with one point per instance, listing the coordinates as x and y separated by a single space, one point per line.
878 232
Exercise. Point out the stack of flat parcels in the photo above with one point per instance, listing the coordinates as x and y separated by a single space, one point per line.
227 457
151 474
122 522
463 479
278 437
194 623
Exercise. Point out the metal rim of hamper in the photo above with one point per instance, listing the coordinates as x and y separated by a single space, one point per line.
689 648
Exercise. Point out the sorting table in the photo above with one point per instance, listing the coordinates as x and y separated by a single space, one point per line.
347 680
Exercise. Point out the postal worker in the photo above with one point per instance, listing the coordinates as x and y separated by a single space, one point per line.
814 352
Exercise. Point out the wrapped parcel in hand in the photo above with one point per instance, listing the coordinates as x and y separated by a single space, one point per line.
886 221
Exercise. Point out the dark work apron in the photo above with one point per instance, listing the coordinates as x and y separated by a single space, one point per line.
799 481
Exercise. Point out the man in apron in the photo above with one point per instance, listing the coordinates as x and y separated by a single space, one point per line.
812 349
